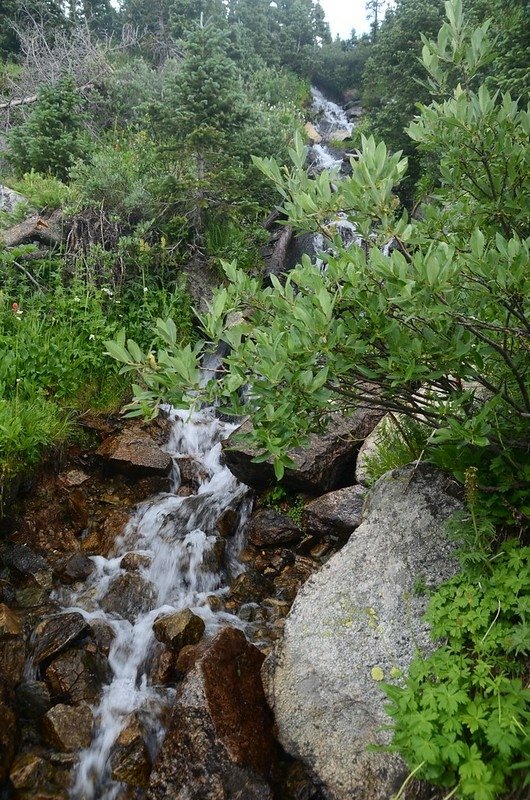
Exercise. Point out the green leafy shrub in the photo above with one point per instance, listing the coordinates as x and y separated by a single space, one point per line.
42 191
462 720
52 137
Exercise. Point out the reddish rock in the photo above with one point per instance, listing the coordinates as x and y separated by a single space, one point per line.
164 670
219 743
134 451
269 528
227 523
326 462
100 541
67 729
102 635
336 514
12 660
132 562
77 502
192 473
179 629
29 771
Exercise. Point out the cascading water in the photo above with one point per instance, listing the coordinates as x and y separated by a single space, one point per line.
174 539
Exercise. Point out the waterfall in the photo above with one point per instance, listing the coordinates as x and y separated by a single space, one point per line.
176 538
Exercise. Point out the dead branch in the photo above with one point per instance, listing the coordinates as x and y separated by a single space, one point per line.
25 101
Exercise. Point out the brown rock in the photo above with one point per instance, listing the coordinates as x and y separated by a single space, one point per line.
129 758
178 629
129 595
227 522
77 675
336 514
326 462
269 528
8 731
30 572
102 634
312 133
219 743
290 579
191 471
250 586
99 542
75 568
77 502
12 660
57 634
132 562
10 624
135 451
164 668
67 729
29 771
74 477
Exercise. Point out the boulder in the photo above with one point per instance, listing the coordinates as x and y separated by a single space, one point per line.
9 199
312 133
102 634
10 624
67 729
336 514
12 659
220 742
134 562
340 135
179 629
129 595
269 528
129 759
135 451
325 463
54 635
359 612
29 771
77 675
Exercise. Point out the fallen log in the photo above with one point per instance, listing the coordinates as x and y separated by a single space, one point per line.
26 101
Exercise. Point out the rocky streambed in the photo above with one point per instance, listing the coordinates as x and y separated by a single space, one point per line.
143 584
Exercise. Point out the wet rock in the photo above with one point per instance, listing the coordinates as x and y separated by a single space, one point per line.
10 624
129 595
76 568
74 477
192 473
326 462
77 675
134 451
359 612
250 586
54 635
219 743
33 699
77 503
164 671
29 771
269 528
179 629
30 573
292 577
299 786
66 728
335 515
129 758
8 738
102 635
132 562
227 523
100 541
12 660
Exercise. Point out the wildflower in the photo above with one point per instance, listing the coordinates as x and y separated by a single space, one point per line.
107 291
91 337
145 289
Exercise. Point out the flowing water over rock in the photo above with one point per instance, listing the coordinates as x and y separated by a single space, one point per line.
171 547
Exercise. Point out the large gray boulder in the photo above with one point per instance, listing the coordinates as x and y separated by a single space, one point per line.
353 622
9 199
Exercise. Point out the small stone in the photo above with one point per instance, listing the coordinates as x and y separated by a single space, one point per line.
74 477
191 471
134 451
12 660
164 668
57 634
250 586
10 624
99 542
227 523
335 515
76 568
66 728
102 634
179 629
77 675
132 562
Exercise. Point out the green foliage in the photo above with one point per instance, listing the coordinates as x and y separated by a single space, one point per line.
284 502
462 719
399 442
52 137
42 191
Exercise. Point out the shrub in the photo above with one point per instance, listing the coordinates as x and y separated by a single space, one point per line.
42 191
